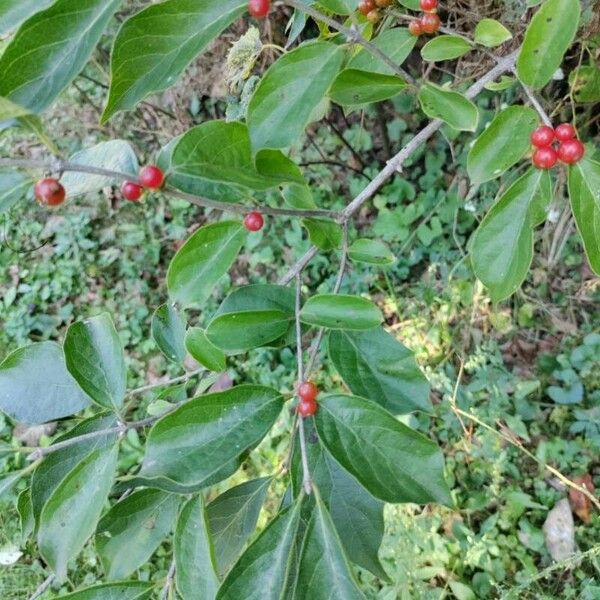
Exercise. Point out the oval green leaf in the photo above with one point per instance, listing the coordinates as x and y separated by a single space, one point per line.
125 590
584 194
50 49
195 571
201 437
445 47
339 311
491 33
203 350
548 36
70 515
94 357
154 46
353 87
397 43
325 234
13 187
168 331
451 107
290 90
371 252
204 258
502 246
375 365
129 533
501 145
392 461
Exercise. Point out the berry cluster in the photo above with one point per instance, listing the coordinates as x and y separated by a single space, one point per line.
429 22
259 8
307 398
570 150
370 8
150 177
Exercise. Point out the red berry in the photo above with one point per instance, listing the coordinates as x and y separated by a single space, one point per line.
366 6
151 177
306 408
254 221
544 158
131 191
308 391
430 23
564 132
428 5
259 8
571 151
542 136
49 191
414 27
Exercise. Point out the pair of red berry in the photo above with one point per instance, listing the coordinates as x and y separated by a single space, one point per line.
259 8
369 8
150 177
570 150
429 22
307 398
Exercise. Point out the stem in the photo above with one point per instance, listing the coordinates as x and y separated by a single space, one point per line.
534 101
181 378
168 582
43 587
354 36
59 166
306 481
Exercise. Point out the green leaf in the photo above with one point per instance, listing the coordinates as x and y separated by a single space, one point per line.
129 533
585 83
232 519
445 47
290 90
204 258
125 590
396 43
195 441
505 82
26 518
194 156
168 331
298 196
491 33
340 7
261 572
94 357
357 516
203 350
114 155
239 332
50 49
547 38
584 194
35 386
392 461
13 186
451 107
501 145
8 480
353 87
323 233
324 572
339 311
375 365
154 46
70 515
13 12
195 573
502 246
57 465
371 252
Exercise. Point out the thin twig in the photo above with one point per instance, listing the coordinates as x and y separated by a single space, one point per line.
43 587
168 582
60 166
534 101
179 379
306 481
